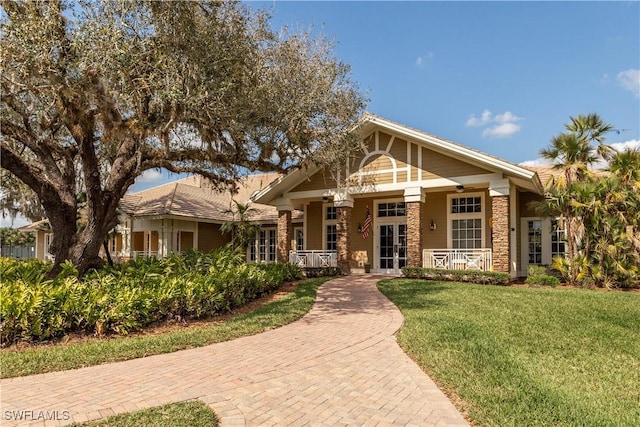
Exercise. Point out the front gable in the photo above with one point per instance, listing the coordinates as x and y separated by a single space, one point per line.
386 158
395 158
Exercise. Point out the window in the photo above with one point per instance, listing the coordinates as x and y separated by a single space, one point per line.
392 209
466 234
330 233
466 221
299 236
534 231
264 248
461 205
332 237
332 213
558 239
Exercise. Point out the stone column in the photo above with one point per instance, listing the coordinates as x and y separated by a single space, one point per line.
499 192
285 229
414 198
343 203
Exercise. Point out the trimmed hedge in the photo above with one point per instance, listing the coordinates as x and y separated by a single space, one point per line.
311 272
130 296
537 275
473 276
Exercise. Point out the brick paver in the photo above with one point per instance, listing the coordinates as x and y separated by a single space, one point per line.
338 365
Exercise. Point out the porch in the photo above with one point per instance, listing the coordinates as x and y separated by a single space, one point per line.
458 259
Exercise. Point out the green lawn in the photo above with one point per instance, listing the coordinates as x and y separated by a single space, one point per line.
526 356
191 413
61 357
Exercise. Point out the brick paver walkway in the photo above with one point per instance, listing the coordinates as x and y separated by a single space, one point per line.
338 365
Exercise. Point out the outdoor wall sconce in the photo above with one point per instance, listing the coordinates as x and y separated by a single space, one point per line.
359 228
325 199
459 188
432 226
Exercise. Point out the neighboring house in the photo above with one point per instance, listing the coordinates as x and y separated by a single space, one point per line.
43 237
431 202
188 214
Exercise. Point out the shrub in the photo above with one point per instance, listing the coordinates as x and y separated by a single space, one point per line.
543 280
127 297
473 276
322 272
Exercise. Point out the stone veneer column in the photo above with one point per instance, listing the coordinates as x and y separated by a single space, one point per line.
285 233
414 199
343 203
501 233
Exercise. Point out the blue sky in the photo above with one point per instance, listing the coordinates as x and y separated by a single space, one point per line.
501 77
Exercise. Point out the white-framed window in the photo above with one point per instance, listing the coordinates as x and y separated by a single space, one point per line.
329 220
465 216
558 239
534 241
264 247
298 236
391 209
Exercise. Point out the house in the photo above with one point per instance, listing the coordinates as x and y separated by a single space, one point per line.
408 198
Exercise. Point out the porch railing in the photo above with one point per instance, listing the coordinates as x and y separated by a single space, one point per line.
314 259
145 254
457 259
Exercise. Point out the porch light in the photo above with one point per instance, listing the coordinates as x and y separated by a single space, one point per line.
325 199
432 226
459 188
359 228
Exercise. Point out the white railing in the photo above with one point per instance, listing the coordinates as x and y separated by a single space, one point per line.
145 254
314 259
457 259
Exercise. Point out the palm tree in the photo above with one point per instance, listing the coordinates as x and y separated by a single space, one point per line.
574 153
242 229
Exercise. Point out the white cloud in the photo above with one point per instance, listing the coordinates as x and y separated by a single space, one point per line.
507 117
631 144
483 120
537 162
149 176
630 80
421 61
499 126
502 130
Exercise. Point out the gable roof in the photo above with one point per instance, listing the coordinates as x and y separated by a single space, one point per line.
194 197
370 122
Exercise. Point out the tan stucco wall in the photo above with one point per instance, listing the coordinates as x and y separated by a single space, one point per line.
362 249
314 226
435 209
210 237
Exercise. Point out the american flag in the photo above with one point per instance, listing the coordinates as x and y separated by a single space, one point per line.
366 228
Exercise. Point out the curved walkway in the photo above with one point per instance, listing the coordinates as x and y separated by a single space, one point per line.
338 365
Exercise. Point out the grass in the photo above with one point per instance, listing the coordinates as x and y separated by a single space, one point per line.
526 356
192 413
15 363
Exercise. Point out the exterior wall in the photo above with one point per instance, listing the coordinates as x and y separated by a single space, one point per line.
415 230
435 209
501 234
317 181
343 228
314 226
186 240
362 249
210 237
285 233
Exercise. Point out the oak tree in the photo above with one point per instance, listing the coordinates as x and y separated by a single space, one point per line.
95 93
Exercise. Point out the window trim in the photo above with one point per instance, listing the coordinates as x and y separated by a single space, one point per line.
326 222
467 215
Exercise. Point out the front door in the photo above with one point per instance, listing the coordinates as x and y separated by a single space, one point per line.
392 247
